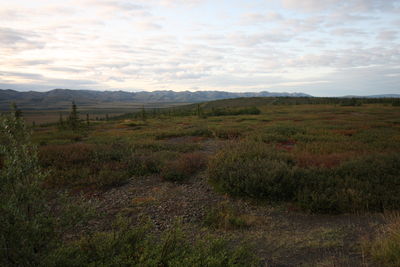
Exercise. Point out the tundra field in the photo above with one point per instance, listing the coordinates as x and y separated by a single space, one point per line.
241 182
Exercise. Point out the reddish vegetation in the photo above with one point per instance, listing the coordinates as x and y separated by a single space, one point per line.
65 154
286 145
187 139
349 132
307 160
186 165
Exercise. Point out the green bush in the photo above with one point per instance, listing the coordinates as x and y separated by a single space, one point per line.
184 167
99 165
385 249
30 228
231 111
225 216
109 178
370 183
228 133
282 133
27 230
136 246
252 169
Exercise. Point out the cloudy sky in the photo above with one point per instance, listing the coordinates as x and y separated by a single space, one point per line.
324 48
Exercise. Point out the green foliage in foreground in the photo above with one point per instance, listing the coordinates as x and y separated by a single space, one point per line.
30 228
385 250
126 246
31 235
255 169
27 230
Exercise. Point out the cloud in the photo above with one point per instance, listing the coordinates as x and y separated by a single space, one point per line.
348 6
180 44
251 40
254 18
21 75
387 35
65 69
19 40
348 32
174 3
29 62
148 26
114 5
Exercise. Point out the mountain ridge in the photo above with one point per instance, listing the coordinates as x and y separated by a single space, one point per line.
97 97
60 97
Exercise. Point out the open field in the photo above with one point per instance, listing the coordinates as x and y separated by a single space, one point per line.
40 115
302 185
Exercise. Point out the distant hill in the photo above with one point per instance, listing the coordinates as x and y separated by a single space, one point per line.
374 96
63 97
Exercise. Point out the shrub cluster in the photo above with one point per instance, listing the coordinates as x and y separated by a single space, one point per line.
127 246
252 169
256 170
96 165
385 249
30 225
225 216
230 111
184 166
26 229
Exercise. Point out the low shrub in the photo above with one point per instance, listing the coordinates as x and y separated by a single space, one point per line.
65 155
184 167
195 131
109 177
385 249
232 111
31 226
227 133
256 170
252 169
366 184
282 133
225 216
144 163
136 246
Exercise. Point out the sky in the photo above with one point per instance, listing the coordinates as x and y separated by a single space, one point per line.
323 48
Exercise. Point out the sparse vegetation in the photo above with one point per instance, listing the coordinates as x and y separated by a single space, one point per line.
184 167
257 170
126 246
226 217
385 249
295 157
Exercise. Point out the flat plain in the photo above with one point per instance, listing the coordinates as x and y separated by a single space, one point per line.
207 171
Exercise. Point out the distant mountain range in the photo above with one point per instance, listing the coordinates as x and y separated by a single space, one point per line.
59 97
375 96
62 97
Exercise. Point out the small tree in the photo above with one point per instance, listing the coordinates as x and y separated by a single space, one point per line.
143 114
73 118
17 112
61 122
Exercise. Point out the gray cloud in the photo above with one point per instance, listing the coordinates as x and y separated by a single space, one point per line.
253 18
120 43
348 32
349 5
17 39
65 69
387 35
